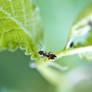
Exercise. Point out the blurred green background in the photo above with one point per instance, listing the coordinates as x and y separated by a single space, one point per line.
57 18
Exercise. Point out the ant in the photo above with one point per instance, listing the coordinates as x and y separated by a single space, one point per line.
49 55
71 45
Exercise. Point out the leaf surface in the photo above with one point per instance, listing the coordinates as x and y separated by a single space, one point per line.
81 34
20 26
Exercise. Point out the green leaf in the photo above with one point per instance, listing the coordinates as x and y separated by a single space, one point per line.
81 34
20 26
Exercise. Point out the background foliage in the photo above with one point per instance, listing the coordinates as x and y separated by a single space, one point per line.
57 18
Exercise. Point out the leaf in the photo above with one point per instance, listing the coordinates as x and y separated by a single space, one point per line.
20 26
81 34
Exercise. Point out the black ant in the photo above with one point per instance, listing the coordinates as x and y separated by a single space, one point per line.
90 23
49 55
71 45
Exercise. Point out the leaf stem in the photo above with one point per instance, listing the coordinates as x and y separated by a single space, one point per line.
73 51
